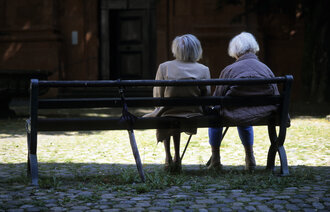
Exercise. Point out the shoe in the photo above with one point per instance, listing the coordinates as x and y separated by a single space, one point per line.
209 161
250 163
168 165
214 162
176 167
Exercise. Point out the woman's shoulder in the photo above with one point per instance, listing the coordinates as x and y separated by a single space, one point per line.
227 71
199 65
250 68
176 64
166 63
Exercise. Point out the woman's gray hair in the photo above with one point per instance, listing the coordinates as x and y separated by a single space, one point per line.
187 48
242 44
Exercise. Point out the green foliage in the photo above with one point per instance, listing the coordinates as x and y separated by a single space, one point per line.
21 179
50 182
65 200
233 178
92 198
262 179
162 180
142 188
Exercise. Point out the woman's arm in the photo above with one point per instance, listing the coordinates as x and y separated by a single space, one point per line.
159 91
206 90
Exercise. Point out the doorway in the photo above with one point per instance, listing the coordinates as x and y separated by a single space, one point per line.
128 43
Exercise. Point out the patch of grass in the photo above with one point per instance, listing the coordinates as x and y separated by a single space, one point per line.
50 182
21 179
122 177
197 180
263 179
162 180
198 187
142 188
232 179
38 203
65 200
93 198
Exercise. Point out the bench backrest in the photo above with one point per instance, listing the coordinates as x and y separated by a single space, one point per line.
97 123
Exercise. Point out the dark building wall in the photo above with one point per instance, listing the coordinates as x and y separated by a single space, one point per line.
29 35
80 59
212 26
280 48
37 34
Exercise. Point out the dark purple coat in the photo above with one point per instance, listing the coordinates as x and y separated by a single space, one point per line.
246 66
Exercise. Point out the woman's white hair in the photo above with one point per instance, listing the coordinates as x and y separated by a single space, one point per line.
187 48
242 44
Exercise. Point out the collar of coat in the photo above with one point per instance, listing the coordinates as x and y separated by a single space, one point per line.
247 56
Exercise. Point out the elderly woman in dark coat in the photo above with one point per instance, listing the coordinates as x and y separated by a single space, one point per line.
187 50
243 48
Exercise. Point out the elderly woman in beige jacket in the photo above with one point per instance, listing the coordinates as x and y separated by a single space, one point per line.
187 50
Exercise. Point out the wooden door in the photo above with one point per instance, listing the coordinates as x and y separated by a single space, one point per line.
129 45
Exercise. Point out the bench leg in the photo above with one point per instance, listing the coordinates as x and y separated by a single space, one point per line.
136 154
284 161
271 158
32 164
273 149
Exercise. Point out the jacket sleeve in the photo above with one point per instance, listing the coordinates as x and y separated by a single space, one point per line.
220 90
274 86
159 91
206 90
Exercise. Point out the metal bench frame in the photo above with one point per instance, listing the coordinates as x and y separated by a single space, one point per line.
37 124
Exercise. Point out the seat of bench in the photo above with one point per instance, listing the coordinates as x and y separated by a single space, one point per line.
116 123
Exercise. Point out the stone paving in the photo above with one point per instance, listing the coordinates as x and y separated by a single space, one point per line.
21 197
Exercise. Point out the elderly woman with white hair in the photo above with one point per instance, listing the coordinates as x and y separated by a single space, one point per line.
187 50
243 48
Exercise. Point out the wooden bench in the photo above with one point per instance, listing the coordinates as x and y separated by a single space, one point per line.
37 124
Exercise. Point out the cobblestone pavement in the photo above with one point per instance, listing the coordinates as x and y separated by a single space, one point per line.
21 197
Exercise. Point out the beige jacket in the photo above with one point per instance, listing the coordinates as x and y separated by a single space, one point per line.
178 70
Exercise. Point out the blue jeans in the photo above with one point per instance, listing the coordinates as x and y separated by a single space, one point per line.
245 134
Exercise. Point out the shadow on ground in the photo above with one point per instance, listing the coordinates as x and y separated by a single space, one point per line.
51 175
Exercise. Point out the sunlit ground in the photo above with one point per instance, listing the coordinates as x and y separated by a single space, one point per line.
307 143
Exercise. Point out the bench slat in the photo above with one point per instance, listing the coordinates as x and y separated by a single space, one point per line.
151 102
95 123
132 83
